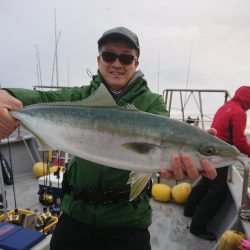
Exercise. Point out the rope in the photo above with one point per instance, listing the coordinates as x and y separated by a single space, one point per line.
244 214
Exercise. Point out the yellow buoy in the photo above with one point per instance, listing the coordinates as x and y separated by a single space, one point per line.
41 169
181 192
161 192
230 239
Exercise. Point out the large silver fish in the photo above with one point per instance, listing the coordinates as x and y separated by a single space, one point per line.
98 130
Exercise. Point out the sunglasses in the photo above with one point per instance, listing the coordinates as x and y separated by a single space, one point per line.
110 57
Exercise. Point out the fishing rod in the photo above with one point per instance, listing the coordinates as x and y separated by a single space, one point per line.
3 186
55 62
158 73
45 196
189 65
4 201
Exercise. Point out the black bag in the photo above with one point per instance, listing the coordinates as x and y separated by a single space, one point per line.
5 168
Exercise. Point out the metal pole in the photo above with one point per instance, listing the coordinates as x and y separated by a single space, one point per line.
182 107
201 111
170 102
245 199
3 194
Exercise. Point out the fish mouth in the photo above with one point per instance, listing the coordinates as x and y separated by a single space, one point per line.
237 151
220 162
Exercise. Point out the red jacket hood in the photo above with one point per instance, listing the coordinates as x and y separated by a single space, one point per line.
242 96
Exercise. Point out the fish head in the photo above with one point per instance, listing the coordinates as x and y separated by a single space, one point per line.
199 144
219 153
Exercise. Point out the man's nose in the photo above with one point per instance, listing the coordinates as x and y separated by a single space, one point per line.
117 62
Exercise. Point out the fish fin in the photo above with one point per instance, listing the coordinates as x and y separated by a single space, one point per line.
138 182
130 107
140 147
101 97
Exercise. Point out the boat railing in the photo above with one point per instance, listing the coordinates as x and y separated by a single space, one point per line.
245 203
245 195
239 187
186 96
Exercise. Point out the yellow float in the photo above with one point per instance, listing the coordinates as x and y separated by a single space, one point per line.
161 192
181 192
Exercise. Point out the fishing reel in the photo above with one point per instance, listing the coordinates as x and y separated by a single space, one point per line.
55 208
43 219
16 218
45 197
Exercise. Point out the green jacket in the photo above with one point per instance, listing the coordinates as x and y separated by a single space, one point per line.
85 174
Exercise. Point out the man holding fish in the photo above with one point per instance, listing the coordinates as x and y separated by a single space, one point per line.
97 209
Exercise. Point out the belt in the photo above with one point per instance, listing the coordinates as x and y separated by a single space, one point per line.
104 197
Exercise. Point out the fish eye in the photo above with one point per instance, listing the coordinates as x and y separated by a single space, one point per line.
207 150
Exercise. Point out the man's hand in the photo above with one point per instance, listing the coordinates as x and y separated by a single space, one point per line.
183 166
7 123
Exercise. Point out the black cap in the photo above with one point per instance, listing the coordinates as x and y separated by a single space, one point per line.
120 33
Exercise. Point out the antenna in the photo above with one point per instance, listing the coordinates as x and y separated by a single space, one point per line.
37 74
158 73
68 71
55 61
38 66
189 64
56 56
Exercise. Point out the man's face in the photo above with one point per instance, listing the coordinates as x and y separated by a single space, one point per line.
117 74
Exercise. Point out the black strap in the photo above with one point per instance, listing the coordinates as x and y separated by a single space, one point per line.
105 197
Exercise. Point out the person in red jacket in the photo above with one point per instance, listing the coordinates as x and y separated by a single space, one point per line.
230 120
207 195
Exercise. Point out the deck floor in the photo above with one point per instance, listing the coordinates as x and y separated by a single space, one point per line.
26 188
169 229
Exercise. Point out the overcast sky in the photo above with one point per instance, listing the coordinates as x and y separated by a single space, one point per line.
215 34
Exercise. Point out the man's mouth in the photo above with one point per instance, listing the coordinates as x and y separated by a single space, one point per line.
116 73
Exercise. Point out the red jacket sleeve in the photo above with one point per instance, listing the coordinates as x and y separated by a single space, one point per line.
239 138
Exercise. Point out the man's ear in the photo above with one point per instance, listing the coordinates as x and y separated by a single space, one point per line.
98 59
136 63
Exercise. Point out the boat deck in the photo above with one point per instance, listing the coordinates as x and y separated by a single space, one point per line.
168 230
26 188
